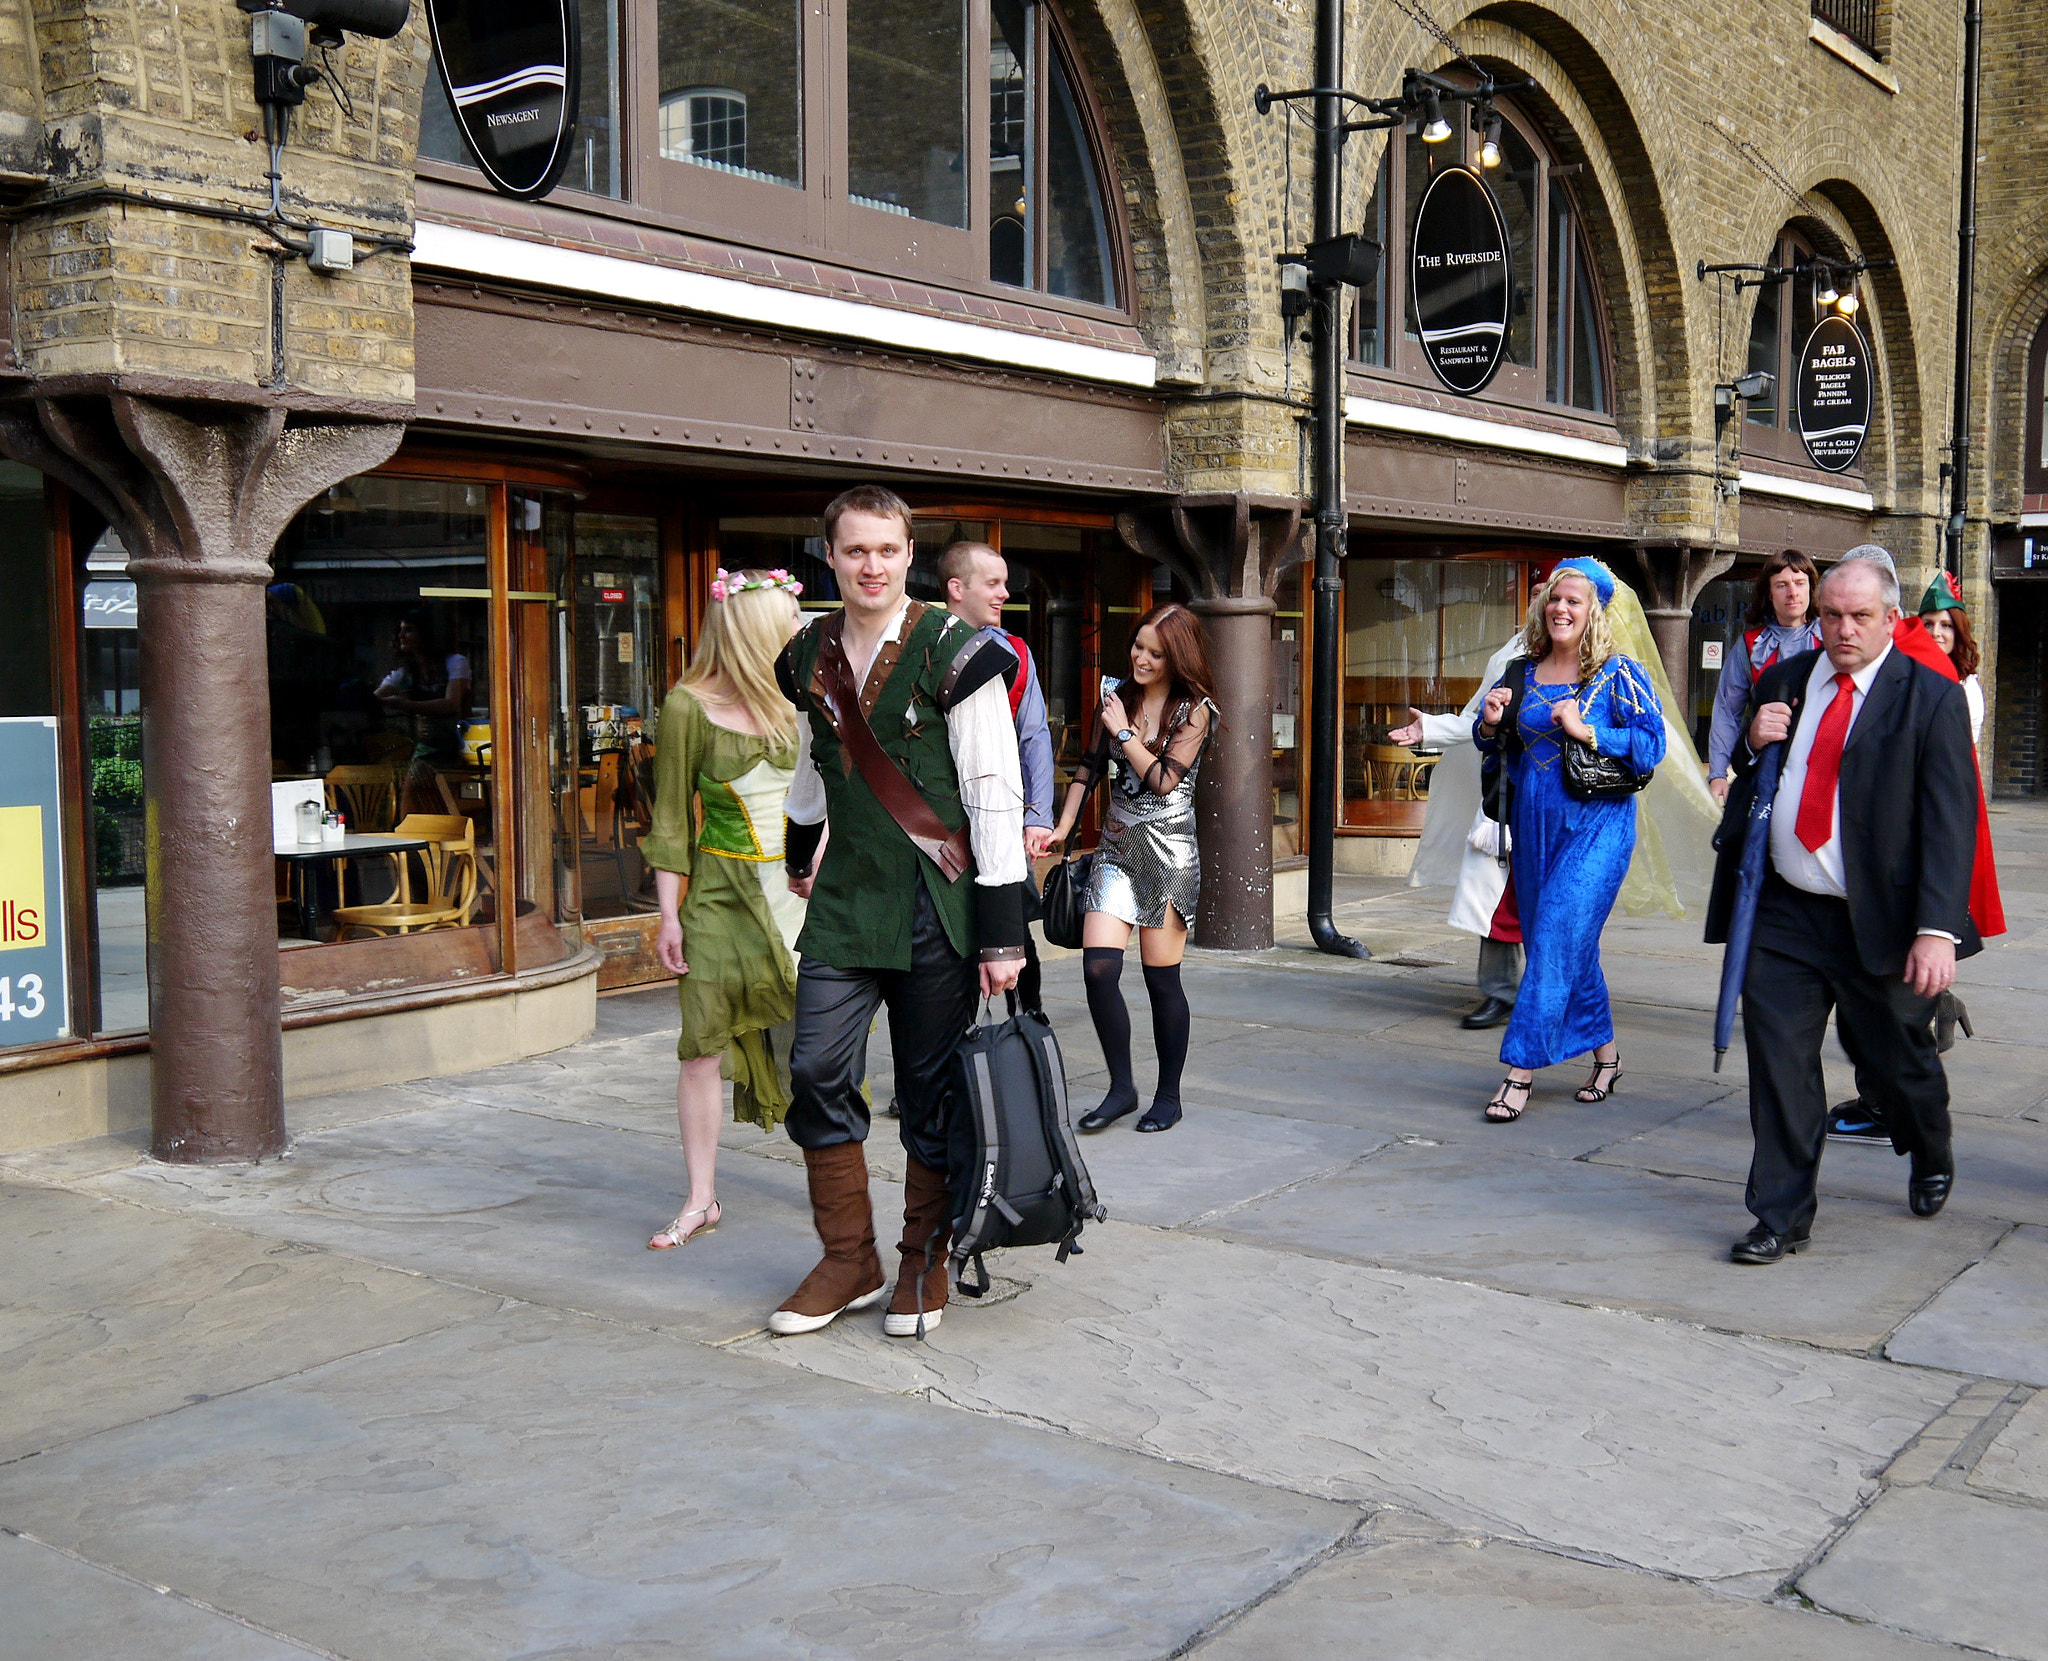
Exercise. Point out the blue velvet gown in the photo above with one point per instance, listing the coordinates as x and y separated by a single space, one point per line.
1569 858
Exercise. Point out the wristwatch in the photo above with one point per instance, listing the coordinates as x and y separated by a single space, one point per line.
1125 736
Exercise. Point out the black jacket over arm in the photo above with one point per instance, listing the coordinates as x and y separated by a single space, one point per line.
1909 808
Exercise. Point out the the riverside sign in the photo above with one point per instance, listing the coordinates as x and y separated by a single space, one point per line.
511 69
1459 279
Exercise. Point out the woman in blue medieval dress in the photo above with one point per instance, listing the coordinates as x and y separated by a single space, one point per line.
1569 855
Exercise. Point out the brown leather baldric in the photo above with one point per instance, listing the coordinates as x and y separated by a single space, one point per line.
950 850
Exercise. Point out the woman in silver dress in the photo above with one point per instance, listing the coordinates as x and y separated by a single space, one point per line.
1146 873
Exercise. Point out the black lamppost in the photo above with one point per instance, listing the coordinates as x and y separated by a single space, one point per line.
1332 260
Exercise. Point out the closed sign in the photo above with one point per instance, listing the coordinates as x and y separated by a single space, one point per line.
511 67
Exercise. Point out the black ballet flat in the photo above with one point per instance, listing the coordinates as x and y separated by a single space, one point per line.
1112 1109
1161 1116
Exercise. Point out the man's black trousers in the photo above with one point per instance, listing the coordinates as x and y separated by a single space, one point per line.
1803 964
931 1004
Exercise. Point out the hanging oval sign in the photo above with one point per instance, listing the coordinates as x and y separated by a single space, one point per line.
1458 279
1833 395
511 70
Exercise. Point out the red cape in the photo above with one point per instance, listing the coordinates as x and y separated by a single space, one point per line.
1987 910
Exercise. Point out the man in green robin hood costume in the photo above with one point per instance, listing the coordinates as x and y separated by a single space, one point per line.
911 756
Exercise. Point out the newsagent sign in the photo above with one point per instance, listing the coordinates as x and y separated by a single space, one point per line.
1833 394
1458 278
511 69
33 998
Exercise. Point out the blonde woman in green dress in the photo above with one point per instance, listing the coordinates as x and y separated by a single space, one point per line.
727 746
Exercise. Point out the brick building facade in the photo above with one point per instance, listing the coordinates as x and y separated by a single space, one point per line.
535 433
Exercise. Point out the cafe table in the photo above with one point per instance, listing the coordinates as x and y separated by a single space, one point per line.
302 856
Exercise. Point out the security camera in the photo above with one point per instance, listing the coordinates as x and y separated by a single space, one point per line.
331 19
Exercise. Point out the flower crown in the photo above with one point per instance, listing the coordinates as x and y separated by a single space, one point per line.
728 583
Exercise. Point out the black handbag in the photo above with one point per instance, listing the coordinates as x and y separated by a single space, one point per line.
1497 772
1590 776
1060 903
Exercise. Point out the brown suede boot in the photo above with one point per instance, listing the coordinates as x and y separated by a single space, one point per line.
849 1275
925 1213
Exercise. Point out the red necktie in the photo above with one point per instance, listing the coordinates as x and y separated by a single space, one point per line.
1815 825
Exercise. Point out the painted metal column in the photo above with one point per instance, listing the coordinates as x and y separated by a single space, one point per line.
200 488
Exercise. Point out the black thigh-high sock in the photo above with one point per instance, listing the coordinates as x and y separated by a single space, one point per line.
1102 967
1169 1033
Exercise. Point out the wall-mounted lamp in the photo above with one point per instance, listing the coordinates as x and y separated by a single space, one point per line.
1487 120
1435 129
1846 302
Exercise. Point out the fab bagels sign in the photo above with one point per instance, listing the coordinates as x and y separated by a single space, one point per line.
511 69
1832 396
1459 281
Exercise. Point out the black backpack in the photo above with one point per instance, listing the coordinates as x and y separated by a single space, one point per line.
1030 1187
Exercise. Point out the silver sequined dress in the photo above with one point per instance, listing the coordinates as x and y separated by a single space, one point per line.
1147 857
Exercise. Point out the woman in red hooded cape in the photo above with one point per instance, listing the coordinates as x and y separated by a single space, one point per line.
1987 910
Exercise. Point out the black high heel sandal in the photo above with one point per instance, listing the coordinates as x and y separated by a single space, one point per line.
1501 1111
1590 1091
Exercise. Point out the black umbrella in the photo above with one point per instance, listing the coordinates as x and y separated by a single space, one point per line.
1749 882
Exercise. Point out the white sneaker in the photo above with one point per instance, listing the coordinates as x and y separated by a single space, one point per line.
905 1326
787 1323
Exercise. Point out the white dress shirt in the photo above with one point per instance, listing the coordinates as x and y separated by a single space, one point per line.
1819 870
983 740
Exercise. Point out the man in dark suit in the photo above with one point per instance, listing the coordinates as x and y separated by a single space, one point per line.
1865 906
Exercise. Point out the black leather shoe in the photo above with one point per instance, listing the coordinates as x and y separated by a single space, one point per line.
1162 1115
1489 1014
1760 1245
1927 1190
1112 1109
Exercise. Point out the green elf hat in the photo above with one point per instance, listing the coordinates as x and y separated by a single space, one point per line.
1942 595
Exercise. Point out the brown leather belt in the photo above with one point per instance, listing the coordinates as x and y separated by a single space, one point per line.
950 850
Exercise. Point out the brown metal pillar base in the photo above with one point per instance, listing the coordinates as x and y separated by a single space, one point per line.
1231 551
199 489
1674 576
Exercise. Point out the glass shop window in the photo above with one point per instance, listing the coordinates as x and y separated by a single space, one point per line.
110 646
617 618
906 108
1288 635
1417 634
381 711
731 94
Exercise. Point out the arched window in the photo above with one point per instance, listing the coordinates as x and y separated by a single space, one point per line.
948 139
707 125
2034 464
1556 349
1788 305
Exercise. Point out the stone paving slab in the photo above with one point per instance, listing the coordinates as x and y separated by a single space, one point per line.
2001 1165
1992 1320
1644 1442
114 1313
2016 1462
1435 1597
550 1210
1213 1159
1567 1229
540 1484
1948 1566
59 1609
